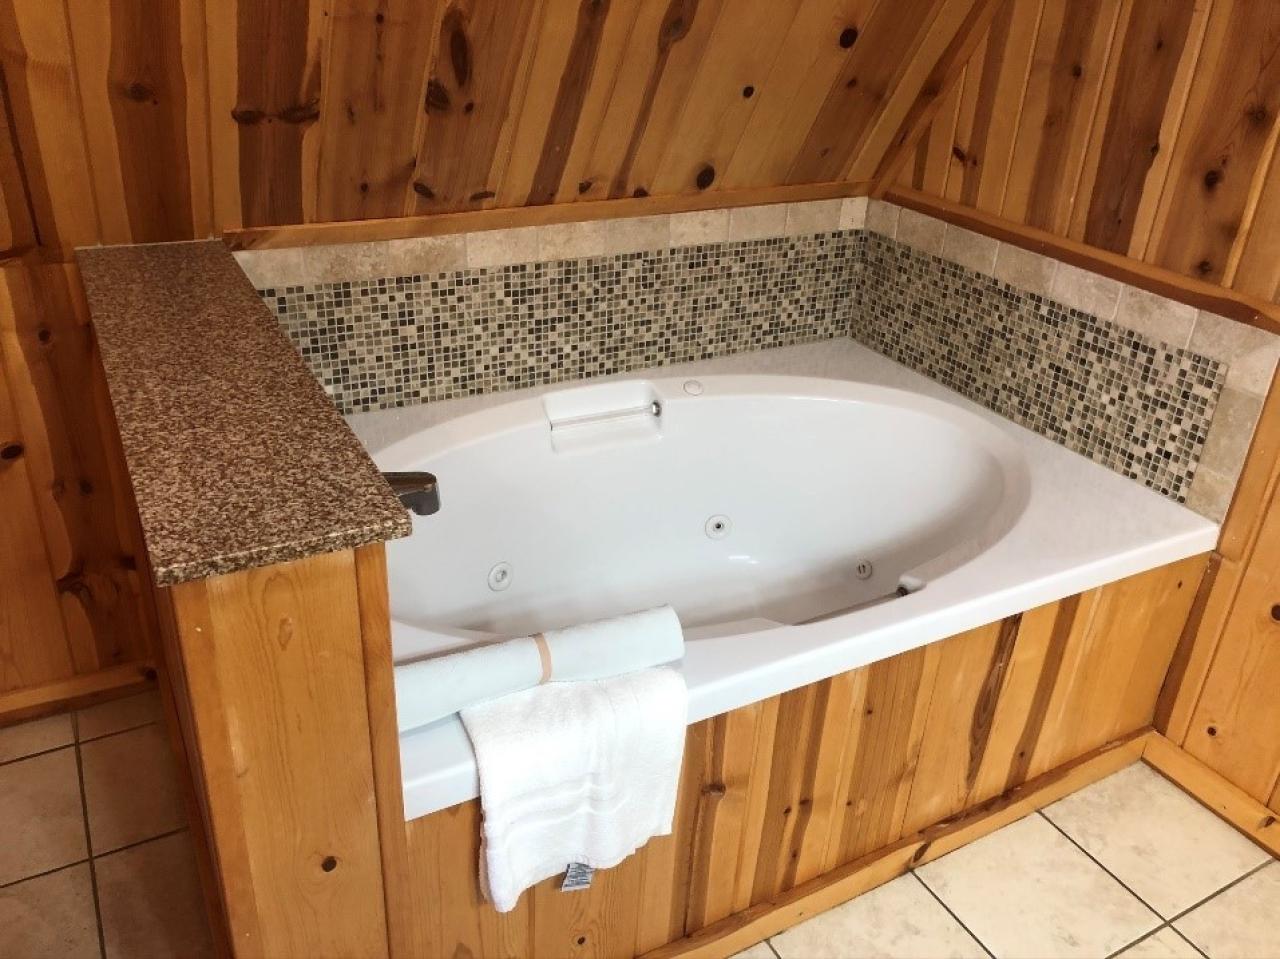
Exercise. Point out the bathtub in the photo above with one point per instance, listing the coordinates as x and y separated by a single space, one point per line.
801 526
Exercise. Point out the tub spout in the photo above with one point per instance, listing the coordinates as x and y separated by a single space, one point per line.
417 491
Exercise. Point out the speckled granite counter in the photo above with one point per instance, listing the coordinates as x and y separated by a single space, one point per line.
237 457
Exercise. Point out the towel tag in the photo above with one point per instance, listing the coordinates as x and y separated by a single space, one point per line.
577 876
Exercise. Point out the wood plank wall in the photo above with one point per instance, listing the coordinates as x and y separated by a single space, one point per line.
785 790
1148 128
73 601
134 122
1143 127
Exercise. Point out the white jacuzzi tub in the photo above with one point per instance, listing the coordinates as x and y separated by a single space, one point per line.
800 526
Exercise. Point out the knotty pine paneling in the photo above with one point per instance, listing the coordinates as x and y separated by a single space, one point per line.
1143 127
72 598
134 122
785 790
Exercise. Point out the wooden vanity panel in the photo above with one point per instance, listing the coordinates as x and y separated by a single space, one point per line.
274 671
781 793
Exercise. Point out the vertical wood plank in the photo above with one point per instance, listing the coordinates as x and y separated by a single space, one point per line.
275 671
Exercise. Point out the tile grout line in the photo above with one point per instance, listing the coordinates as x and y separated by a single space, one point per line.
36 755
88 837
772 948
119 732
41 875
1181 935
138 842
941 902
1217 892
1123 885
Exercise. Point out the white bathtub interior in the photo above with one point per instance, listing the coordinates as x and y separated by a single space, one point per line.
816 478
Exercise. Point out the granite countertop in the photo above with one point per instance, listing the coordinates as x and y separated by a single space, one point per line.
236 456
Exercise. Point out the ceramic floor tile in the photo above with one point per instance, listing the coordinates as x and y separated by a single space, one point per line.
50 917
35 736
130 787
1155 838
898 920
760 950
1242 922
1164 944
118 714
41 818
1027 891
151 903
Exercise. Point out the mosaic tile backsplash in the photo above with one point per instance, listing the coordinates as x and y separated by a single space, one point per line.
1125 400
412 339
1135 405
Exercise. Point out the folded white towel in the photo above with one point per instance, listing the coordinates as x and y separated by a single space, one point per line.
575 772
430 689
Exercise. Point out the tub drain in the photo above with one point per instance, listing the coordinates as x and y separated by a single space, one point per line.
718 527
500 577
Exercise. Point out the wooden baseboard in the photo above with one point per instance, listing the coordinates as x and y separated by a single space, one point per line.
19 705
1233 804
746 928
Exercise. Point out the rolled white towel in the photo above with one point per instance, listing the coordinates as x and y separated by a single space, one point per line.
430 689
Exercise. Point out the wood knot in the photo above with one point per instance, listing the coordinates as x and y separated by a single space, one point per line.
1204 267
920 852
1212 178
423 190
786 811
1257 114
139 92
364 187
851 83
581 940
706 176
460 55
468 106
437 96
86 487
379 18
1212 731
44 334
149 673
11 451
1275 612
248 116
1154 148
714 789
1267 822
583 186
748 91
639 193
848 37
483 195
329 863
301 112
1077 71
959 154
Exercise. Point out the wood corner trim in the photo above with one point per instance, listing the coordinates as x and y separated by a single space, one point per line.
75 692
1209 788
1250 310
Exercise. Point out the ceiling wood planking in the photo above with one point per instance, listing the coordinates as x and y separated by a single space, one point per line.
817 44
1226 138
136 125
1057 111
374 78
1145 87
43 97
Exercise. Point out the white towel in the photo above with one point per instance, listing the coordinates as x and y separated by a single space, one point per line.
575 772
430 689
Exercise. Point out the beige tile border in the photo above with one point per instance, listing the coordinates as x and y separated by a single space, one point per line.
295 266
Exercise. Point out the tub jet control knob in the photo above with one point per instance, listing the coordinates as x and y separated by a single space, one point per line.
500 577
864 569
718 526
